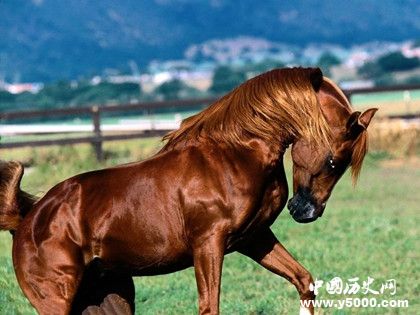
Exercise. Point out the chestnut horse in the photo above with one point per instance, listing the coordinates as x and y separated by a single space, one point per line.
216 187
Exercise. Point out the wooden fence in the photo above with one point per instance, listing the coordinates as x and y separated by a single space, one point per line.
97 137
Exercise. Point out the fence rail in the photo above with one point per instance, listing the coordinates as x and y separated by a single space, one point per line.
92 110
97 136
377 89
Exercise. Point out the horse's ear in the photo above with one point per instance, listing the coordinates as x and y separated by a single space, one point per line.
358 121
316 78
367 116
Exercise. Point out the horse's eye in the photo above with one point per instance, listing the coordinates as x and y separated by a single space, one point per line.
331 163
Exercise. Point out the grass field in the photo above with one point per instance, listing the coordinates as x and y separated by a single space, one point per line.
370 231
389 103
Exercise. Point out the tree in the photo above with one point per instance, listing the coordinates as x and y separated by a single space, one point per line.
171 90
370 70
396 61
7 100
225 79
106 92
328 60
7 97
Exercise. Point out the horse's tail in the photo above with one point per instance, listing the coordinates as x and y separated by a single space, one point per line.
14 203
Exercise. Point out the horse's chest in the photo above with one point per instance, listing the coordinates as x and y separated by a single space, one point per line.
271 204
266 209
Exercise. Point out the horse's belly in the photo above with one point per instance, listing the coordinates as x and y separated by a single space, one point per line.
146 262
154 252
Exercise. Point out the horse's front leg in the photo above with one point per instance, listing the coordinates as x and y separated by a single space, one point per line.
266 250
208 255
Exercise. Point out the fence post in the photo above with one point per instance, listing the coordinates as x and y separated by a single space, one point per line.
97 142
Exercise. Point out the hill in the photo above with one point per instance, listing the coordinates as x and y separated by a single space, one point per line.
44 40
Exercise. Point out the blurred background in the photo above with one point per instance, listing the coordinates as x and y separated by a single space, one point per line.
89 84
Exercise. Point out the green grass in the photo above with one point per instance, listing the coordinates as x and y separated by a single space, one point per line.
372 230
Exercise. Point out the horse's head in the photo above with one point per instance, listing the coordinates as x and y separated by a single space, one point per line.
316 169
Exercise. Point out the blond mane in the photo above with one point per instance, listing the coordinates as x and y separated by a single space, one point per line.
274 104
360 145
360 148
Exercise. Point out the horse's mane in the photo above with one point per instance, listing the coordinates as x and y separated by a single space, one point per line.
275 103
360 146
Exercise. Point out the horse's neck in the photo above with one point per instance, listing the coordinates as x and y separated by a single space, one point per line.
268 155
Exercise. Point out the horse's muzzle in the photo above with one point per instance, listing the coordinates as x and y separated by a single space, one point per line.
303 209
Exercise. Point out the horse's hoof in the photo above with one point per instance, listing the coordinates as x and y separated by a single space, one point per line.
93 310
113 304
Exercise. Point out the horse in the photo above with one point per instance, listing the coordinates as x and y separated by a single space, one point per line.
215 187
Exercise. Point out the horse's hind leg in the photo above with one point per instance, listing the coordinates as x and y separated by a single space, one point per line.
49 274
112 290
54 279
